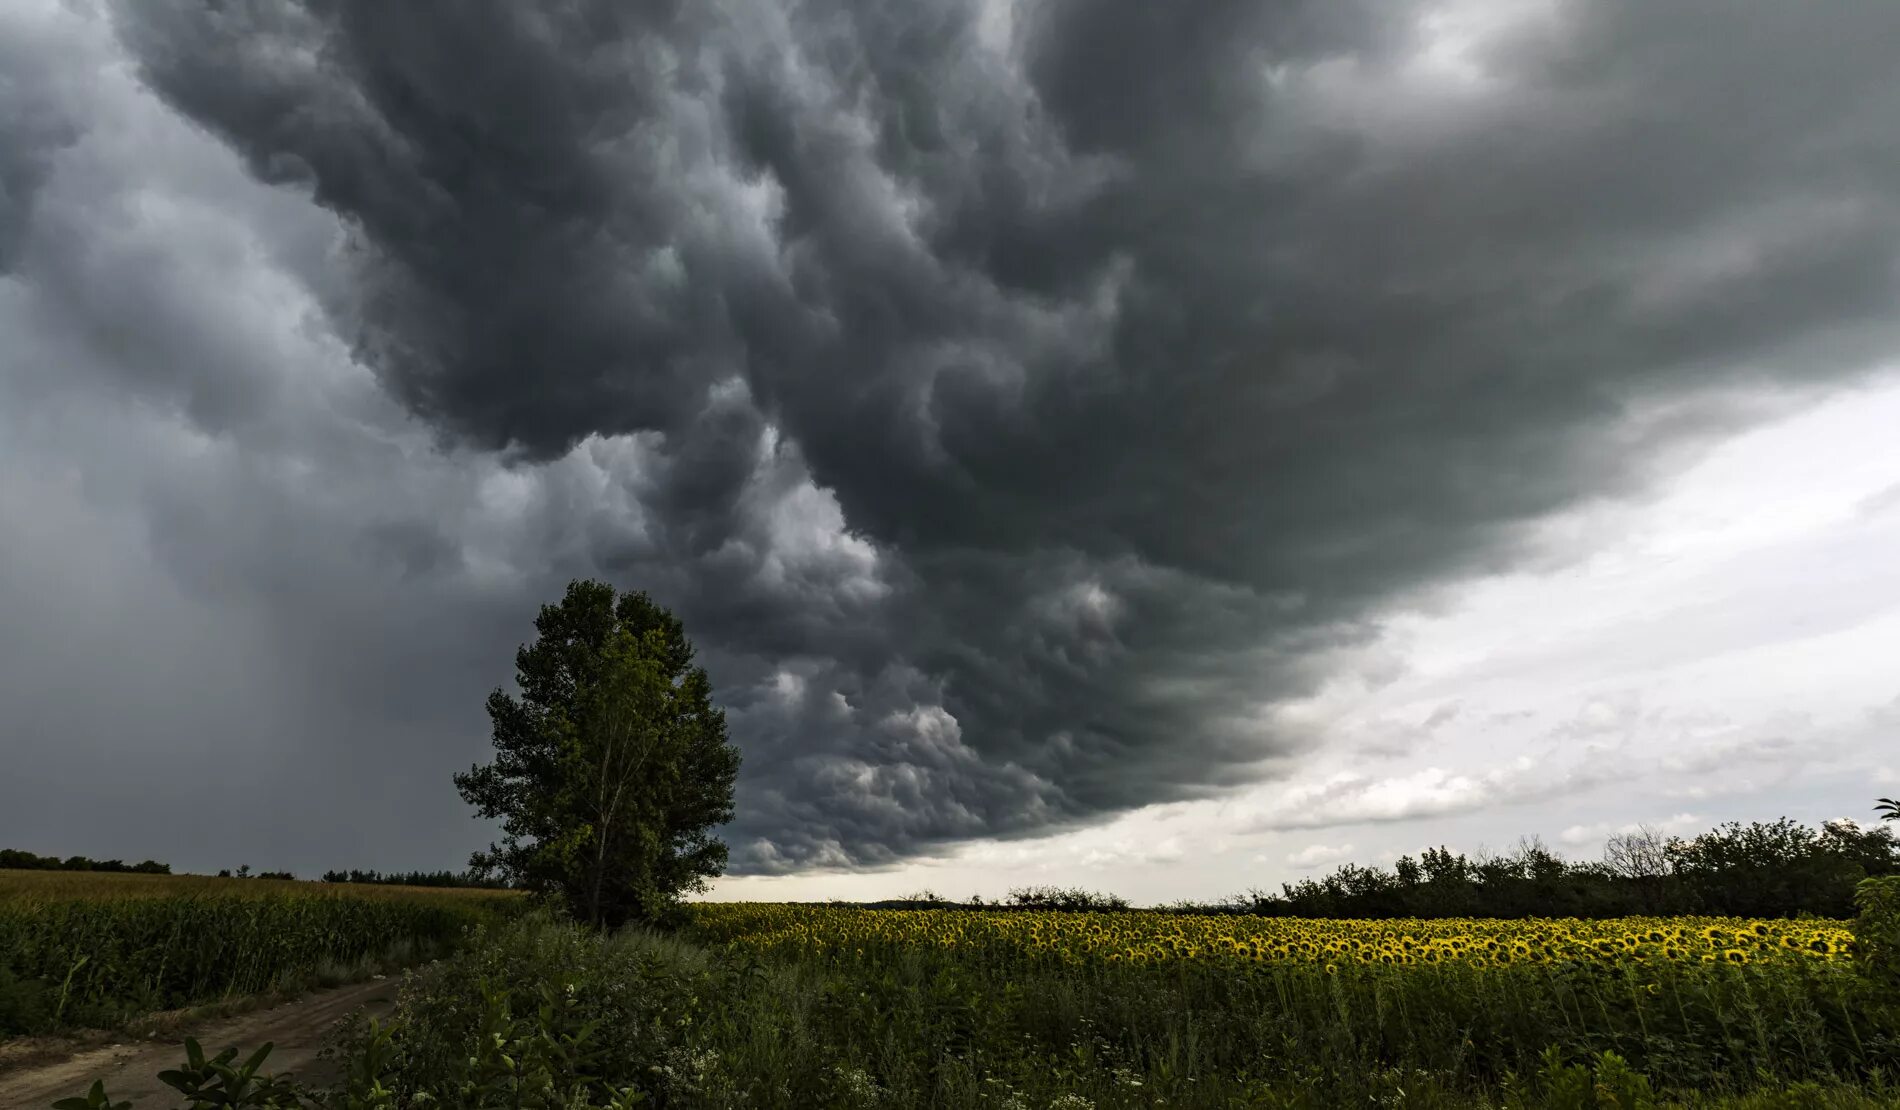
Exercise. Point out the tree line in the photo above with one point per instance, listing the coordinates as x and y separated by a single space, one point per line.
1761 869
15 860
417 878
1045 898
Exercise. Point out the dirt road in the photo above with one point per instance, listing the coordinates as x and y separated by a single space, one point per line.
131 1070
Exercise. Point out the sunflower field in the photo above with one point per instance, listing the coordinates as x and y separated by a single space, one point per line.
1158 938
1696 1003
795 1007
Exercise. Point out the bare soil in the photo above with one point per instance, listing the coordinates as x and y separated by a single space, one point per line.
36 1073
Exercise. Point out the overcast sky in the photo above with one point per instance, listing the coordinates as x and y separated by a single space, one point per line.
1170 448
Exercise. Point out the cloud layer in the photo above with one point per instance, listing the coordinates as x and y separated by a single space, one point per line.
1019 403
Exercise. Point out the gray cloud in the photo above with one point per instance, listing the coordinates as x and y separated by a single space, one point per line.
35 121
1351 798
1015 416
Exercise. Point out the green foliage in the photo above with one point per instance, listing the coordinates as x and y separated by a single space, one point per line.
611 767
23 1007
1760 869
1877 931
437 879
14 860
1065 899
1605 1083
89 961
1772 869
94 1099
541 1015
221 1081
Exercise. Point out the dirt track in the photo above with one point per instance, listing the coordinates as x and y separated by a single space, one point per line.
130 1070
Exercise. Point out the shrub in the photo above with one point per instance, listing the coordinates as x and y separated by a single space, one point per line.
22 1004
1877 929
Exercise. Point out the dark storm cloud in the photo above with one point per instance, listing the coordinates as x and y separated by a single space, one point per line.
1018 401
34 122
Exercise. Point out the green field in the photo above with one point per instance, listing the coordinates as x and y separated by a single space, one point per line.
79 948
789 1006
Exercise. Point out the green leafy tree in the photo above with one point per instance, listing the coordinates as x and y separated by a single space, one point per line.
612 767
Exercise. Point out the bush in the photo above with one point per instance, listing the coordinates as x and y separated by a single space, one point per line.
22 1004
1877 929
1070 900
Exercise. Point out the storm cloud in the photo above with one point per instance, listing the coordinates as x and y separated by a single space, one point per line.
1019 402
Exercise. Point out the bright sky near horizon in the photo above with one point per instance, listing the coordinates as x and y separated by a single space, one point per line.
1723 650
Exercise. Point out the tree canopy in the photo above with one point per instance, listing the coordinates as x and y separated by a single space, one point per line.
14 859
1761 869
612 768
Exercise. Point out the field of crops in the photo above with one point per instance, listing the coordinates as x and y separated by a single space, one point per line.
80 948
1153 938
42 886
1695 1004
759 1005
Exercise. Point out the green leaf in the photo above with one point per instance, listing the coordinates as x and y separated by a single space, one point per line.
257 1059
177 1080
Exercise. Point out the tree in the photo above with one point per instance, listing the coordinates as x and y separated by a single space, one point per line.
1777 869
612 767
1641 858
1887 808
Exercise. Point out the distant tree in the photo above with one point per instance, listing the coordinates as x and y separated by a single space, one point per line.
14 859
1774 869
1640 857
416 878
1777 869
612 767
1067 899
